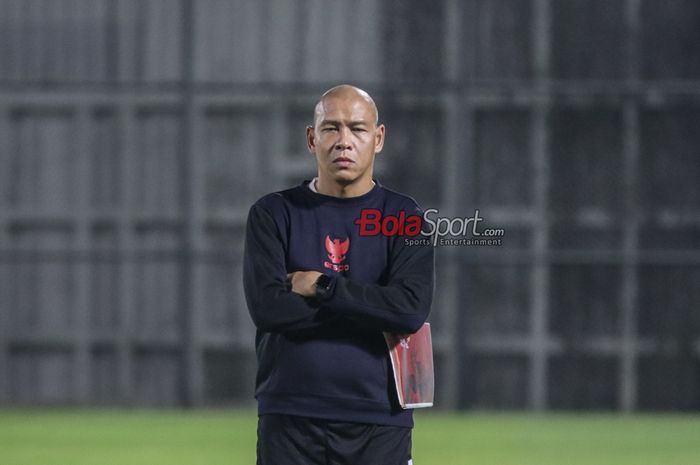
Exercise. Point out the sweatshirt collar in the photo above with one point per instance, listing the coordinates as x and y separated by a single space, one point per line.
310 191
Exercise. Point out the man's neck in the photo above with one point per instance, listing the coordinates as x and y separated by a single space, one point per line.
334 189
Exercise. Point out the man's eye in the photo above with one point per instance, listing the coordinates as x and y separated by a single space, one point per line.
329 129
359 130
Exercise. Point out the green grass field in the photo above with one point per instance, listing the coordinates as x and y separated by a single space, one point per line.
66 437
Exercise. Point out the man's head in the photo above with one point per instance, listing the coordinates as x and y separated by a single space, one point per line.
345 138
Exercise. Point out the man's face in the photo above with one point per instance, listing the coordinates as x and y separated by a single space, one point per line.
345 138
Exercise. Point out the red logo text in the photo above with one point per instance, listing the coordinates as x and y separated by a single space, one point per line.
372 223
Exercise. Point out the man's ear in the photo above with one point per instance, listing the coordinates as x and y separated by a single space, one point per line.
379 138
310 135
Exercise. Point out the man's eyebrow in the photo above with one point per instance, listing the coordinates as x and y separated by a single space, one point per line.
336 122
329 121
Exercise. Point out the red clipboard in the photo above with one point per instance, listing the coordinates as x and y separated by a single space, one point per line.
412 361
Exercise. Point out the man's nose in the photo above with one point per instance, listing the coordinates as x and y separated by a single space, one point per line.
343 139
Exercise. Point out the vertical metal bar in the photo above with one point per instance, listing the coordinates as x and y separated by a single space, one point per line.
127 245
627 395
125 33
455 169
540 151
82 244
11 13
80 51
456 174
4 263
540 276
31 52
111 45
192 370
452 40
196 231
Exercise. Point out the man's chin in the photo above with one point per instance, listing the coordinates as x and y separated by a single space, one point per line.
345 178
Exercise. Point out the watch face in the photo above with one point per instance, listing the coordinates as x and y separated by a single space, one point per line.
323 282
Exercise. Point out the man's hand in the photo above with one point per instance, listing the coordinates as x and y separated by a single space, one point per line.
304 282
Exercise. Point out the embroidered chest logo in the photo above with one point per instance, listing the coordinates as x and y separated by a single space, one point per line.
337 253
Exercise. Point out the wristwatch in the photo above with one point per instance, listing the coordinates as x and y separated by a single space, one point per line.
323 284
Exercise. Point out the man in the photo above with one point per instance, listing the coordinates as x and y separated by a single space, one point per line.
321 295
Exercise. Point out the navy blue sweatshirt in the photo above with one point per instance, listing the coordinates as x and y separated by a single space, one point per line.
326 358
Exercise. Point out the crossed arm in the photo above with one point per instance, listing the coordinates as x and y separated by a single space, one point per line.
402 305
304 282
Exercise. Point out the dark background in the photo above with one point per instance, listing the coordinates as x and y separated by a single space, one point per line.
134 135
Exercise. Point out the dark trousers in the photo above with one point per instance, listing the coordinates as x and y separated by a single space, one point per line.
291 440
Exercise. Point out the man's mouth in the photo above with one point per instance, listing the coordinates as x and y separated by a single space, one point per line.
343 162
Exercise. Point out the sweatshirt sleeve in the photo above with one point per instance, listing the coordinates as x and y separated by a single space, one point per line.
402 305
272 305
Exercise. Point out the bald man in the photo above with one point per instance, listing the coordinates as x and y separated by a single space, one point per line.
321 294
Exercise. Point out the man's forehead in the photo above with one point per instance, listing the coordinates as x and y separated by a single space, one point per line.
348 102
355 109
